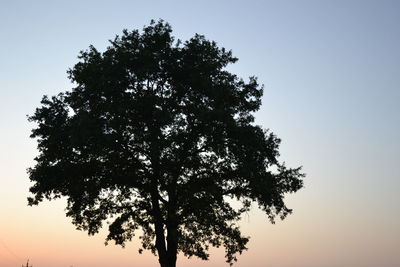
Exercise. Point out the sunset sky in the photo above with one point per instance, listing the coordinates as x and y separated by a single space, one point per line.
331 71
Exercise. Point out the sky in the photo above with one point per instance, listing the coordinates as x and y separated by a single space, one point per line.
331 71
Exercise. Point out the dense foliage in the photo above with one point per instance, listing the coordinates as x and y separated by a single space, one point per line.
157 135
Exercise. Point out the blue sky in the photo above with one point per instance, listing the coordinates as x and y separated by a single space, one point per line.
331 71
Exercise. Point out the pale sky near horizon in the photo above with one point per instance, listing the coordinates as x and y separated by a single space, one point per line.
331 71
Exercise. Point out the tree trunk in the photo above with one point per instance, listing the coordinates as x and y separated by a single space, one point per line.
172 227
172 235
159 231
172 245
169 260
168 264
166 250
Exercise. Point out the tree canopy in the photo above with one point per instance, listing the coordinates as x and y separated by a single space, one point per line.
157 137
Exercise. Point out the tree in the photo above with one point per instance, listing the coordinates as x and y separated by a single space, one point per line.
158 136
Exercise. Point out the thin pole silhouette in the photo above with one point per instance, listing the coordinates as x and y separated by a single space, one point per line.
27 264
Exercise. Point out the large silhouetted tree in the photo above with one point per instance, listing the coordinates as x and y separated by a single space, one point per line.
157 136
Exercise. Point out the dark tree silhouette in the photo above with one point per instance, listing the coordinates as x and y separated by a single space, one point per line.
157 135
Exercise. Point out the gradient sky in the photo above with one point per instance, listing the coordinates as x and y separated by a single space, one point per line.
331 71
